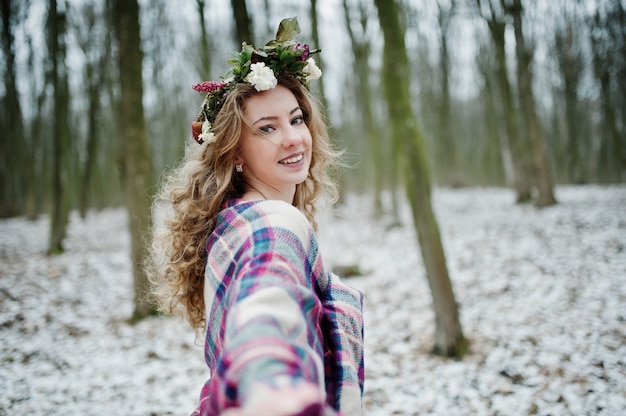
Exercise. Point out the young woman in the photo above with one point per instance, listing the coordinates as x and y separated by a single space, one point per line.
238 255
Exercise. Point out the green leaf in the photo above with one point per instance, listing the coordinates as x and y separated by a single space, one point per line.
296 66
287 29
286 56
272 44
245 68
246 52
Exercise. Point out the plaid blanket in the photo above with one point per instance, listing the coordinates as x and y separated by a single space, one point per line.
275 316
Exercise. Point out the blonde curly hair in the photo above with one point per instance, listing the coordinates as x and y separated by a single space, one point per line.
195 191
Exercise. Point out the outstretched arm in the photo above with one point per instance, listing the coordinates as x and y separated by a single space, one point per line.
271 342
343 322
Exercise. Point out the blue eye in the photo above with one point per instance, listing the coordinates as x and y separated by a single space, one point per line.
266 129
297 120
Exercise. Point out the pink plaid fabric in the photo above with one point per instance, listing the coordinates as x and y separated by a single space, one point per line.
275 316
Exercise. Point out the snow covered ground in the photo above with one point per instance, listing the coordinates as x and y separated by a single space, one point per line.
542 296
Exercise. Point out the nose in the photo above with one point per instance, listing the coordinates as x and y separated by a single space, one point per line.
292 136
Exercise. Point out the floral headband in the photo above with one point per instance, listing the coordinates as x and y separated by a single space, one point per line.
260 68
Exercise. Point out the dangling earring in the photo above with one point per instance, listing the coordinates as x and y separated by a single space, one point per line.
239 167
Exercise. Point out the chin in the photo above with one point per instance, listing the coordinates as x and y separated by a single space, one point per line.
303 178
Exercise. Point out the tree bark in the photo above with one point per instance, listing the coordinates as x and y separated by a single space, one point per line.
59 216
243 25
608 40
135 158
450 170
316 41
522 179
364 102
541 166
494 159
95 62
13 167
205 56
571 66
449 340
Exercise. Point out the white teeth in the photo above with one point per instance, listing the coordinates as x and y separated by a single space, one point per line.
291 160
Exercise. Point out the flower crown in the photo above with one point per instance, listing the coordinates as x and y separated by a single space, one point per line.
260 68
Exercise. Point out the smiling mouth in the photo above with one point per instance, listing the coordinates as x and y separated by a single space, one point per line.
290 160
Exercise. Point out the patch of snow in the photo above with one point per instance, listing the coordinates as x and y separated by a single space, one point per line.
542 296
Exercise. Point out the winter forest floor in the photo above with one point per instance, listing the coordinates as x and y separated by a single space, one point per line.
542 295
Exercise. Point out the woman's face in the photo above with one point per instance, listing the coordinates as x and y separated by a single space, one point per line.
276 153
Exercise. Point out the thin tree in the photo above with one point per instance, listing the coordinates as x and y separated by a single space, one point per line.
316 41
90 41
608 41
447 153
361 50
134 151
59 216
449 340
493 161
541 165
320 87
243 24
37 147
205 56
12 143
571 65
522 178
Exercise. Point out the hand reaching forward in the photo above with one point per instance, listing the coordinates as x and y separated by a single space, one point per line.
301 400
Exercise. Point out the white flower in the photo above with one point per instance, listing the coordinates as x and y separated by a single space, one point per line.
261 77
311 70
207 135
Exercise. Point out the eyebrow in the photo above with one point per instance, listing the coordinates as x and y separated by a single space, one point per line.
274 117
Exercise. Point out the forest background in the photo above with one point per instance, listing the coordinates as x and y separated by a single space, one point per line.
577 53
96 103
96 99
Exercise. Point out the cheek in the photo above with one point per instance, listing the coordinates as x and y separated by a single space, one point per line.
309 141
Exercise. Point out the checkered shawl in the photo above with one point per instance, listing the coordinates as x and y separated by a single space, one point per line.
275 316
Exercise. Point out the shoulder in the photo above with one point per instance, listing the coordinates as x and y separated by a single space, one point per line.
250 217
281 215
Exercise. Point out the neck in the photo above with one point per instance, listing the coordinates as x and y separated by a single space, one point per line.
255 194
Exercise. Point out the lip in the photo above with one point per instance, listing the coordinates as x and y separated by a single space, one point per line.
294 159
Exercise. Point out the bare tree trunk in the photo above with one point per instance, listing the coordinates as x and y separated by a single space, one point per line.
494 159
450 171
95 62
608 42
610 147
59 216
522 179
205 56
364 102
321 90
571 67
449 340
243 24
619 18
135 157
12 144
318 58
36 160
92 145
541 165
